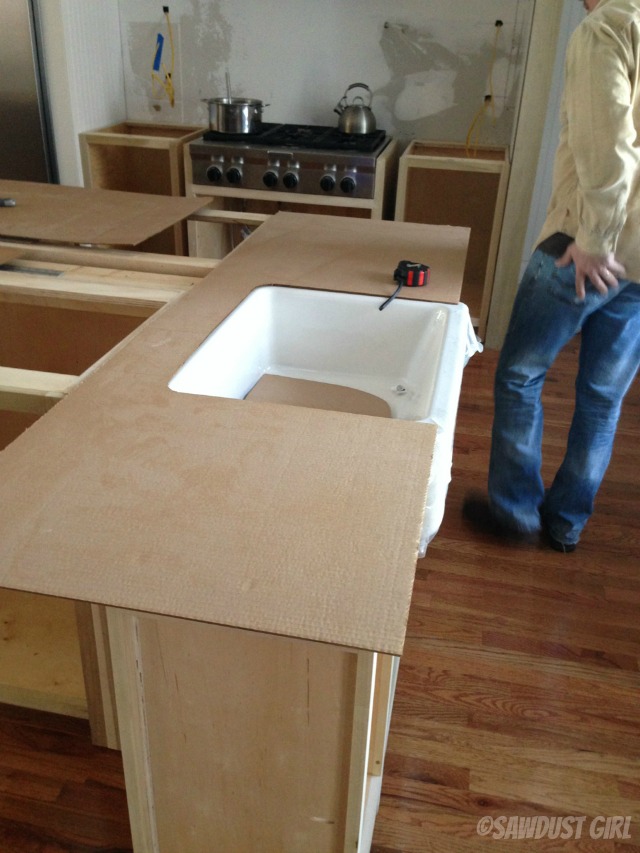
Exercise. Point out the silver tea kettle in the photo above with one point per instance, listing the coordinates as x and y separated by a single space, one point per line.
355 117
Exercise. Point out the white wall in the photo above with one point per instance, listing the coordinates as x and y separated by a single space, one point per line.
83 66
427 62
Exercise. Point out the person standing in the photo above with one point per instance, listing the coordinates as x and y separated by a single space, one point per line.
583 277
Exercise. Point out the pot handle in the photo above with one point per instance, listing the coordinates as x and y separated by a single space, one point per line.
358 86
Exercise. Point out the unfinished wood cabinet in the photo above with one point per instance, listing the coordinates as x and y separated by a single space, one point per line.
40 664
247 740
140 157
61 312
449 184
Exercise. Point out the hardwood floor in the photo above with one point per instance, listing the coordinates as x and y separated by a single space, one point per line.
517 693
58 793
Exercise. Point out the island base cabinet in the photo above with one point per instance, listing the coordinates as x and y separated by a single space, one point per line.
237 741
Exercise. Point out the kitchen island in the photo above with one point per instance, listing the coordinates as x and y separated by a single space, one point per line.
255 560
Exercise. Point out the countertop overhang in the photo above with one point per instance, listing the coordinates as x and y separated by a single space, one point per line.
292 521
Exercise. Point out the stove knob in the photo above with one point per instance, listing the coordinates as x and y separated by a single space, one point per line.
214 174
348 184
290 180
270 178
234 175
327 183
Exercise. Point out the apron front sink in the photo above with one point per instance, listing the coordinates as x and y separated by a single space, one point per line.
410 355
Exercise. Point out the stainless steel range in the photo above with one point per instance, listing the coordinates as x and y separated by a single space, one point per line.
292 159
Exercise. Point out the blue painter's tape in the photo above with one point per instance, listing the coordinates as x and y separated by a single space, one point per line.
158 57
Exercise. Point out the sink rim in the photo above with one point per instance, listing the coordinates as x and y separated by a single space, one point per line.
269 320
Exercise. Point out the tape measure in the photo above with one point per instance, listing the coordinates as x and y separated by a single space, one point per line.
408 274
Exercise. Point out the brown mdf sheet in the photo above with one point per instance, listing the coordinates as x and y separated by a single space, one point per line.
317 395
286 520
61 214
281 518
354 255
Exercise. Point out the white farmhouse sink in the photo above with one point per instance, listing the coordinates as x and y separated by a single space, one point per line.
411 355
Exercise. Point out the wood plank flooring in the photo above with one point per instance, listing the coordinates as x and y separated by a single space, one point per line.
517 694
58 793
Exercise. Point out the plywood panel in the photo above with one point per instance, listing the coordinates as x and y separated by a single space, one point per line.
57 340
98 439
40 655
40 664
446 197
143 158
61 214
248 738
317 395
451 184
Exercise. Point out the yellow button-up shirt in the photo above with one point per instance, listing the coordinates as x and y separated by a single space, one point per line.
596 182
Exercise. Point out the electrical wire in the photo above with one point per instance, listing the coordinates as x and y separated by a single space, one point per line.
475 128
163 86
471 142
392 297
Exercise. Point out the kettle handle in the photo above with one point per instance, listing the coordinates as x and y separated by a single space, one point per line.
341 105
358 86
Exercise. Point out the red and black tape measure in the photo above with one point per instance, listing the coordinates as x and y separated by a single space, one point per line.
408 274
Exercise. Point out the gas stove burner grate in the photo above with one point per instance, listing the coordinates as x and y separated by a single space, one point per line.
254 137
305 137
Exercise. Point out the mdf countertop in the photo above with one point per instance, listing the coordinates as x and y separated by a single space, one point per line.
292 521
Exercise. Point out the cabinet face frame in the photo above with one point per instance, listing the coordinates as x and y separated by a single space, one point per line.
256 741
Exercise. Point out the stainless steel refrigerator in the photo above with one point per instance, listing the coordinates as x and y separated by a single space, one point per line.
26 140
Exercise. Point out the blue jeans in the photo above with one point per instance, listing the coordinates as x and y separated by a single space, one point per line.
546 315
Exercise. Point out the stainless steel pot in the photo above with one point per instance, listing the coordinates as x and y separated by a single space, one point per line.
234 115
356 117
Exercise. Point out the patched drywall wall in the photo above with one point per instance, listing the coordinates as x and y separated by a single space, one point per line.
438 69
